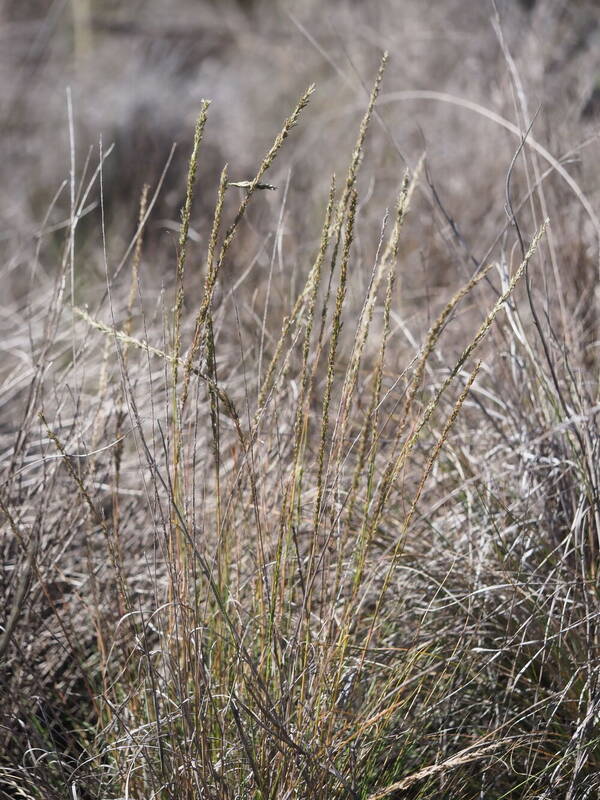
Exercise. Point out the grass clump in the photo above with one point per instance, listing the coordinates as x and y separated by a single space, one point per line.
321 579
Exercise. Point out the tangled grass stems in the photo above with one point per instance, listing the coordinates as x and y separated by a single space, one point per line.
268 604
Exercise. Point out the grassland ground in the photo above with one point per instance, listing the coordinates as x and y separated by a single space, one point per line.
299 446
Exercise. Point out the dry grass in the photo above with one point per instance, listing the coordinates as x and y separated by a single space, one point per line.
289 508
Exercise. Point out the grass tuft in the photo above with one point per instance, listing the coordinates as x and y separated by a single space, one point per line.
368 571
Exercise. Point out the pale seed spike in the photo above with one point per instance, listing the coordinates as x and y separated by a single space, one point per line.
289 123
209 285
186 213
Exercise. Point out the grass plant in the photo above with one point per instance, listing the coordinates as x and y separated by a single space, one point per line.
329 578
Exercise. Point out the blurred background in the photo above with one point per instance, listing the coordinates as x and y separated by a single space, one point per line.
137 72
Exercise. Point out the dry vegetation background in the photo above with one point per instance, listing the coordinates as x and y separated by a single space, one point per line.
365 581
